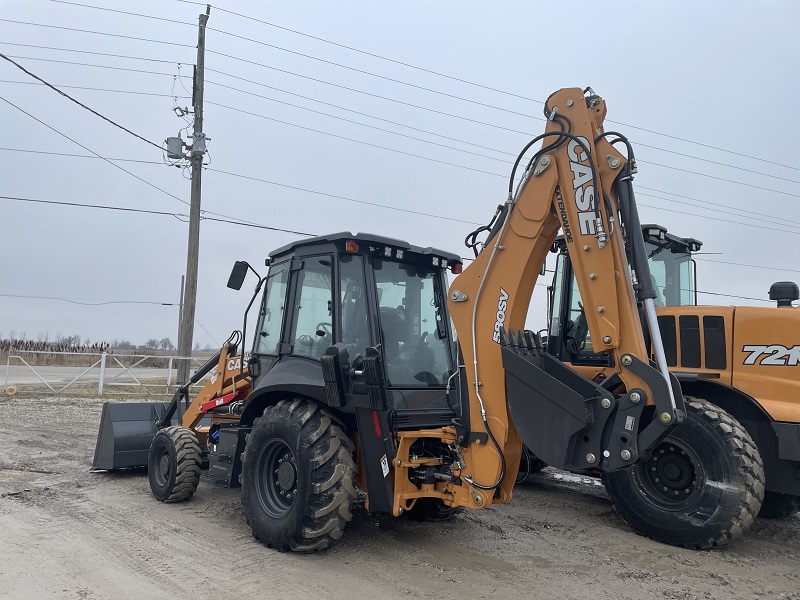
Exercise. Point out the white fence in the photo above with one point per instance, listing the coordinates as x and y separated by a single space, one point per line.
126 374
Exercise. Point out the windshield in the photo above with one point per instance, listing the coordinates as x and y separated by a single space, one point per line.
672 275
414 334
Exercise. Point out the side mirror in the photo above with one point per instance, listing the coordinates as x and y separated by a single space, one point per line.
238 274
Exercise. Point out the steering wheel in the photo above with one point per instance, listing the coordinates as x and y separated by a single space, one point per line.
306 341
325 328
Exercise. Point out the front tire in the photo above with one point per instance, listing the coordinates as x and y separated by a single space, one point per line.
298 477
173 464
702 486
779 506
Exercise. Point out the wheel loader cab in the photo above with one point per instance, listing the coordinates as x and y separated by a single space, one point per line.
672 274
359 292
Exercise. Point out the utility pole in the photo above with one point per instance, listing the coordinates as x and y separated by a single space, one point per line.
197 153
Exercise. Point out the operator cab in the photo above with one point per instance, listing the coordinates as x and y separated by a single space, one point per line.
671 267
361 291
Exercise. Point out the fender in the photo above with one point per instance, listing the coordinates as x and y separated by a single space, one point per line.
289 377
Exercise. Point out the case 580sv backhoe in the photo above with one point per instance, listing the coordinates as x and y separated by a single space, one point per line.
355 380
737 365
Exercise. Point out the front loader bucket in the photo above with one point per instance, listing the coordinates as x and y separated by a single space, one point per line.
126 431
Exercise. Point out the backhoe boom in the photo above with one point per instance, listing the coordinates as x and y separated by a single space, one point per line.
573 183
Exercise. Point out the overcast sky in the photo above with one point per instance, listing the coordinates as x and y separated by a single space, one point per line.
721 74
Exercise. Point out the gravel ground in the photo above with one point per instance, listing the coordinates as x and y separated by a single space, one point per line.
68 533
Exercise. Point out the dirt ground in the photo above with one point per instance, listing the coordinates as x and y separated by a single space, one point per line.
68 533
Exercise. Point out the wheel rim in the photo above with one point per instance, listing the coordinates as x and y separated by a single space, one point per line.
673 476
161 462
277 478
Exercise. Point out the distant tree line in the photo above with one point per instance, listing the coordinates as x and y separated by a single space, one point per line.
77 343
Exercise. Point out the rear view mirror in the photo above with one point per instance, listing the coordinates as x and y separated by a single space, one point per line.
238 274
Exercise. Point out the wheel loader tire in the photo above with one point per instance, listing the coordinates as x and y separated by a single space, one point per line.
432 510
173 464
779 506
298 477
701 487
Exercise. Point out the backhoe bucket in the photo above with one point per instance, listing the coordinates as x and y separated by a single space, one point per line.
555 410
126 431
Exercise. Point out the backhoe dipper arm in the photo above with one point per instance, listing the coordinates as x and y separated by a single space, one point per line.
519 393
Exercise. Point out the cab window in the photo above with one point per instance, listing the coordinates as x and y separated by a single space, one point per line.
312 327
413 330
273 307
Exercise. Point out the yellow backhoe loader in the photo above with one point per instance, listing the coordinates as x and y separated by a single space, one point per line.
355 380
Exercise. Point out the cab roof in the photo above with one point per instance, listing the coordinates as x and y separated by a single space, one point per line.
655 234
367 241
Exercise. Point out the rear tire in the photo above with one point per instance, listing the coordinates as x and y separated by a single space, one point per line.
702 486
298 477
432 510
173 464
779 506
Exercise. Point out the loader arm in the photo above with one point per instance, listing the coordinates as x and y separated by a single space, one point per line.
578 183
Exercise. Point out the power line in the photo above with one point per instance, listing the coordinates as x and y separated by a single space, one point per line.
249 93
95 89
421 107
678 138
723 262
78 102
137 210
105 33
643 145
122 12
80 64
341 137
378 205
338 197
474 169
158 60
398 62
669 167
98 206
318 112
344 87
152 185
67 154
750 185
725 208
731 296
718 219
479 122
99 303
178 216
482 86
